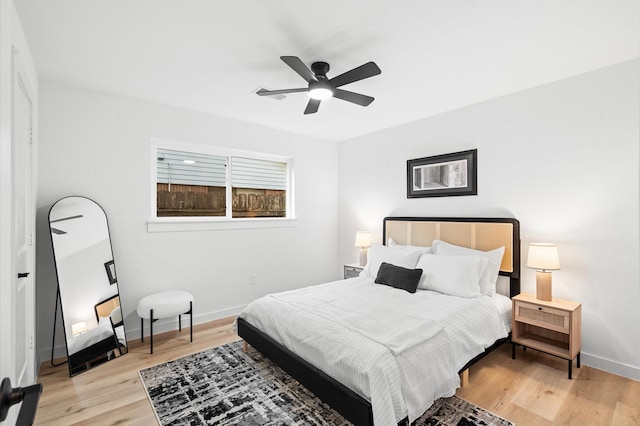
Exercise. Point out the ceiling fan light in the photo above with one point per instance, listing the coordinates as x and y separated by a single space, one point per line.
320 93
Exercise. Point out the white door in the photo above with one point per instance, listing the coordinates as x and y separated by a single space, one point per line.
18 111
23 234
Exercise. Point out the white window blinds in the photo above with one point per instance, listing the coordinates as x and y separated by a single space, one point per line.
188 168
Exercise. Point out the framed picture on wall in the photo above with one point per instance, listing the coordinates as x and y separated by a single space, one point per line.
443 175
111 271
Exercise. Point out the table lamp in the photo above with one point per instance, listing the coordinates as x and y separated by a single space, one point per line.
363 240
78 328
543 257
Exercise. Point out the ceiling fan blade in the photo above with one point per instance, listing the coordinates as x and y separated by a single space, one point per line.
360 73
352 97
66 218
57 231
312 106
298 66
265 92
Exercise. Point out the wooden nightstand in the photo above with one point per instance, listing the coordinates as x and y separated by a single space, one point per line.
551 327
352 270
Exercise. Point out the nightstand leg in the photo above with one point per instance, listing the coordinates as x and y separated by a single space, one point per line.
513 351
578 359
570 367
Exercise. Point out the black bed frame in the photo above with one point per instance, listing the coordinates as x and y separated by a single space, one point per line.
92 355
349 404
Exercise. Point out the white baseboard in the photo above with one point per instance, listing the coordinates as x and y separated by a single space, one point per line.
44 355
613 367
160 326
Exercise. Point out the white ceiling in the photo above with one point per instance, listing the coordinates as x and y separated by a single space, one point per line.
210 56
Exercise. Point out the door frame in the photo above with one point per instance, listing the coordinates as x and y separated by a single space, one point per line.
7 261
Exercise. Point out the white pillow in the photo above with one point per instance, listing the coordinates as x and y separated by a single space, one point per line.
421 249
395 256
454 275
116 315
489 275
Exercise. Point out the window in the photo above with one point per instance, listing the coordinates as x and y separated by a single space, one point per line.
259 187
190 184
216 183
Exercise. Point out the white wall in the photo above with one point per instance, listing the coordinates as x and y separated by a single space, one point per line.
97 145
563 159
84 283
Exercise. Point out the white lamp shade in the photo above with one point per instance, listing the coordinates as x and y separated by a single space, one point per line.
78 328
543 256
363 239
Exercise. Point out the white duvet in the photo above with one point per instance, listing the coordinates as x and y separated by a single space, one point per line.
399 350
93 336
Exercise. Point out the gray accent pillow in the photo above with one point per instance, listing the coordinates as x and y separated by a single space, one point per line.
399 277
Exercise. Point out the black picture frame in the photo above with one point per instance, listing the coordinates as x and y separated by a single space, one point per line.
111 272
443 175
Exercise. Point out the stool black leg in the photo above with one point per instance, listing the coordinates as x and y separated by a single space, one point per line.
179 322
191 325
151 329
142 330
570 367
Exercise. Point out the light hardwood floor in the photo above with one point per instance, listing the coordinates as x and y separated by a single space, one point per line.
531 390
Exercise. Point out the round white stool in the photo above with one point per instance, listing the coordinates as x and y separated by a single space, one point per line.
164 305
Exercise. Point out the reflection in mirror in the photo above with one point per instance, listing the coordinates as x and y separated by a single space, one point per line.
87 283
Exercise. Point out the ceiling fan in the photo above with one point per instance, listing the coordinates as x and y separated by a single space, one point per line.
320 87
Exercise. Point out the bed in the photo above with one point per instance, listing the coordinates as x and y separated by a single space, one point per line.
371 375
98 344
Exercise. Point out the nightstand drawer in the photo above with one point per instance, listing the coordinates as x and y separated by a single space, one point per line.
351 271
542 316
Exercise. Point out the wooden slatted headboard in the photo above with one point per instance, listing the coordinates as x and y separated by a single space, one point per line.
477 233
104 308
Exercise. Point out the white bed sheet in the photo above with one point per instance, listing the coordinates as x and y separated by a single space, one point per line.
95 335
402 363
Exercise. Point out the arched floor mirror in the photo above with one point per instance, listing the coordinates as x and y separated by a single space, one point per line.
87 283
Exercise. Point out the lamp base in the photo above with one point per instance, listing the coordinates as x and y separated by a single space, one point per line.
543 285
363 256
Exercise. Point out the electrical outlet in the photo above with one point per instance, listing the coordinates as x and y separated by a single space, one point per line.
252 279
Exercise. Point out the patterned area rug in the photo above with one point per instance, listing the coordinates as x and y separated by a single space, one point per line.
227 386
